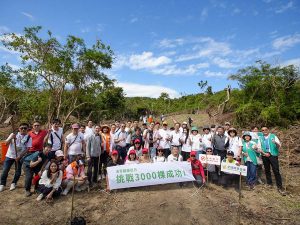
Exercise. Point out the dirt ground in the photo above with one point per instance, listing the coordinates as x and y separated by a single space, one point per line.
162 204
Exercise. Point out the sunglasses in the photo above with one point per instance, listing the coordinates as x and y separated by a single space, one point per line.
23 128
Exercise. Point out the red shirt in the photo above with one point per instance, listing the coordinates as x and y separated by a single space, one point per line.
37 140
197 168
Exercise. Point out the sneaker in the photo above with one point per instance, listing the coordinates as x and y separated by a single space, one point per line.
281 191
1 188
65 192
40 197
260 181
27 193
78 189
12 187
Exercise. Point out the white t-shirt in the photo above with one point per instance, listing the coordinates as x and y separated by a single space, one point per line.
128 162
21 143
235 144
186 147
159 159
76 147
175 137
89 131
197 145
163 142
56 145
172 158
121 136
206 139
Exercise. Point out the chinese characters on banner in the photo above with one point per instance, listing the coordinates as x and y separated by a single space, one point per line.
210 159
136 175
233 169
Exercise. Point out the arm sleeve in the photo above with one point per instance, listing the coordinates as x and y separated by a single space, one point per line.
277 141
57 183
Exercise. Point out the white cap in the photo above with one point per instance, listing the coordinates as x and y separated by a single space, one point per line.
59 153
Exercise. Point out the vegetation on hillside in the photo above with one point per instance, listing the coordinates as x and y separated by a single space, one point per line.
63 79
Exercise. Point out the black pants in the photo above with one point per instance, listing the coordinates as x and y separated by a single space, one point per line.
46 190
229 180
92 171
103 163
122 152
167 152
29 172
221 153
185 155
272 161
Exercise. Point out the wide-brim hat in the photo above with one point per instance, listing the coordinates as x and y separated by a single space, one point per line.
103 126
247 133
232 130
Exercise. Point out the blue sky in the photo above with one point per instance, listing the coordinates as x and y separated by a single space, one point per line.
168 45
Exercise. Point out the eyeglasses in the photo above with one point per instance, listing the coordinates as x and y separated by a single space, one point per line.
23 128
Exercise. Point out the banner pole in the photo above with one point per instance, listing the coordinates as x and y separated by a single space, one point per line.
240 197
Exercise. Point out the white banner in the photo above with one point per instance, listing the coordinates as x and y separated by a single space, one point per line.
144 174
210 159
233 169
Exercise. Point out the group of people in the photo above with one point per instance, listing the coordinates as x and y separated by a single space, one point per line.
55 163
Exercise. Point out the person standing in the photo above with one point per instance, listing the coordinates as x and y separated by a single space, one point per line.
38 137
255 134
234 143
89 130
218 142
75 144
93 151
270 150
250 153
186 144
55 137
175 136
207 136
196 142
164 138
120 141
23 142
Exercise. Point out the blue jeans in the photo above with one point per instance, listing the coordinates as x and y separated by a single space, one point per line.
8 162
251 173
152 152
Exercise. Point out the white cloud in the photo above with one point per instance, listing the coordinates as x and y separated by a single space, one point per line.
28 15
206 47
85 30
204 14
146 60
171 43
286 41
295 62
284 8
133 20
141 90
236 11
208 73
174 70
223 63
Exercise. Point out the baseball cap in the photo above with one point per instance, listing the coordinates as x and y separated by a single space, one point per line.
114 152
184 122
193 153
59 153
145 150
75 126
230 153
137 141
132 152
